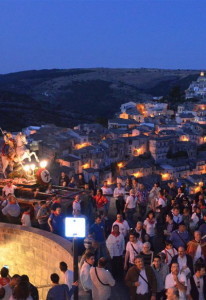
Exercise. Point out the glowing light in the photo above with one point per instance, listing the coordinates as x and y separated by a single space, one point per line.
26 168
165 176
184 138
137 174
80 146
120 165
32 166
137 152
43 164
201 183
85 166
202 74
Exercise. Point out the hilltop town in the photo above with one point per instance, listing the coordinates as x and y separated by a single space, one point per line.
147 140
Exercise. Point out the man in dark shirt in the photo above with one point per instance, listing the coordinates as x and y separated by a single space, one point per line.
60 291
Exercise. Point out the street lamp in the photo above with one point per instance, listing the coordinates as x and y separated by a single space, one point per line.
75 228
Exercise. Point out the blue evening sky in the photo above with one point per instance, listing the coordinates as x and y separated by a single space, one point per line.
37 34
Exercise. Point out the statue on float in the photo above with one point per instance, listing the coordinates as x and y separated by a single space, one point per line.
14 151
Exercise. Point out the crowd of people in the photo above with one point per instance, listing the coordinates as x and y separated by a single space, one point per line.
156 247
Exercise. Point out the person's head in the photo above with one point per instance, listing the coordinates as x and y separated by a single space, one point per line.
181 251
21 290
132 192
150 215
156 185
204 216
180 190
175 268
43 203
63 266
77 198
182 227
176 211
139 263
119 185
58 211
72 179
4 272
172 293
15 279
132 237
141 186
146 247
98 220
9 183
172 185
54 278
89 257
12 199
93 178
157 261
102 262
197 236
105 183
169 217
161 193
119 218
63 174
168 245
80 176
115 228
200 270
25 278
186 211
139 226
100 192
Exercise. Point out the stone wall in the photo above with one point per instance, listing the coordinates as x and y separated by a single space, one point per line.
34 252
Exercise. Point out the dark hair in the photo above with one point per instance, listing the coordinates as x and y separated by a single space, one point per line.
42 202
100 191
170 215
88 255
168 242
63 266
156 256
115 225
16 276
98 217
134 233
199 266
4 272
150 212
24 278
54 278
139 257
102 262
21 290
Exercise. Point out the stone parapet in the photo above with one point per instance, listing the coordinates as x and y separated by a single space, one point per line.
31 251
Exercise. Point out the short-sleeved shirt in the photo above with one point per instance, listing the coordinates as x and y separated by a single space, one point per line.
9 190
131 202
4 281
150 228
57 221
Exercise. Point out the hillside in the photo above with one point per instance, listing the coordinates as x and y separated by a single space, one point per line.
68 97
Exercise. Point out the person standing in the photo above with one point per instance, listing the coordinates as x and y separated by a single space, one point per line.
123 225
133 249
169 252
101 202
184 261
176 279
76 205
68 274
141 281
102 281
115 245
119 193
198 283
98 232
56 222
130 207
12 210
160 271
42 216
142 200
197 248
180 237
85 272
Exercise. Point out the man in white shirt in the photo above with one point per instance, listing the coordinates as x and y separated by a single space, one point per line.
133 248
85 272
68 274
102 281
119 194
123 225
130 207
175 279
